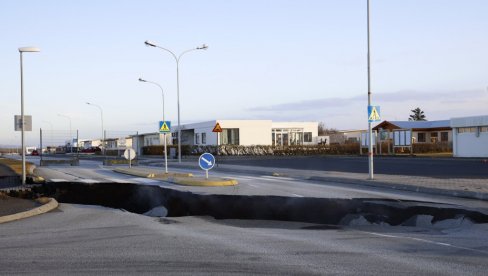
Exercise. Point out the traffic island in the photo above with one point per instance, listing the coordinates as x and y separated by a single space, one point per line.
146 173
186 179
204 182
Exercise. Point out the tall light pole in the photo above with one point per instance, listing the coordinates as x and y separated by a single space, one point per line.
103 133
70 136
164 134
21 51
51 136
370 130
177 60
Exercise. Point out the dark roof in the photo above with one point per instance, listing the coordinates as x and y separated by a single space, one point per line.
416 125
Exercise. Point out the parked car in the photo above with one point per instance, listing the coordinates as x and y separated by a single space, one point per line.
35 153
91 150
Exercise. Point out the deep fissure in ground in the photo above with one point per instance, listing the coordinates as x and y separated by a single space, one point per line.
140 199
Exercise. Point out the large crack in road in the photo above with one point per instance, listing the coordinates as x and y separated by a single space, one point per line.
331 211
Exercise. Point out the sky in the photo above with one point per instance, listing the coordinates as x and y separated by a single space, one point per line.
279 60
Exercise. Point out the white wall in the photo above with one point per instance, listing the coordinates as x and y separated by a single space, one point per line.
251 132
469 144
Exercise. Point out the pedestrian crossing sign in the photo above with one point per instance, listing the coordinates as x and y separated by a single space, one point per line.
374 113
164 126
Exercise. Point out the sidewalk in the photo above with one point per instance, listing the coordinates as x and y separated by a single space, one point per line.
13 205
458 187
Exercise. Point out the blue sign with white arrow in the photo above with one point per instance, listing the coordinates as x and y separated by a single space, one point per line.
206 161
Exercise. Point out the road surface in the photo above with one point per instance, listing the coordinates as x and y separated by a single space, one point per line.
93 240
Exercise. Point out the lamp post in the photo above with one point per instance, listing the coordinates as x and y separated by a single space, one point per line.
370 130
103 133
164 134
21 51
70 136
177 60
51 136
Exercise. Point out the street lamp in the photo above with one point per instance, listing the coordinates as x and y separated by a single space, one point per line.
370 130
51 136
103 133
164 134
21 51
70 136
177 59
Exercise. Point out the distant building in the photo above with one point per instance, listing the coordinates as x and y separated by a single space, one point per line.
422 131
470 138
248 132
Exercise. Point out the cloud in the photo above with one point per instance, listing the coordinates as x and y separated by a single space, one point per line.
420 97
350 113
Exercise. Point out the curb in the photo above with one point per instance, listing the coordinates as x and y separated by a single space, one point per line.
151 175
49 206
204 182
134 173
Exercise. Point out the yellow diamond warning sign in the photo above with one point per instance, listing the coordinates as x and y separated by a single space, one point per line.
217 128
164 126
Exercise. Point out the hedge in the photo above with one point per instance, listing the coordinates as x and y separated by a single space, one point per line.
259 150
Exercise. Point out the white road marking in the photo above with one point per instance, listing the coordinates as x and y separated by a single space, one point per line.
426 241
297 195
118 180
58 180
277 177
143 180
87 180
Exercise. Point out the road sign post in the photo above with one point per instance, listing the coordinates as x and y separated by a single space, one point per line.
164 128
218 130
130 154
373 116
206 162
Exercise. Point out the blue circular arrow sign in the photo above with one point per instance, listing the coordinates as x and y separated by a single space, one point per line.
206 161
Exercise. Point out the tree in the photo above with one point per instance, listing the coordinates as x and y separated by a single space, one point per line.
323 130
418 115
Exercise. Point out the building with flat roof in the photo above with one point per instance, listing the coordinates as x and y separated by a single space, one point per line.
248 132
470 136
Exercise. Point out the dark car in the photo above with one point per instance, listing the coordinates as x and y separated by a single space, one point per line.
35 153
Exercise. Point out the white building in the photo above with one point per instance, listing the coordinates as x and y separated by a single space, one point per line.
470 136
248 132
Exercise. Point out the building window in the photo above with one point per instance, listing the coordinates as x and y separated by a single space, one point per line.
484 129
204 138
434 137
230 136
421 137
466 129
444 136
286 136
307 137
197 138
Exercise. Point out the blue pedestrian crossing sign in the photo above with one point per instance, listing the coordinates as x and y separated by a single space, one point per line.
374 113
206 161
164 126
